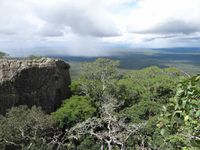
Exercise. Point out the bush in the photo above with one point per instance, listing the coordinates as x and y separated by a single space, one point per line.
24 128
73 110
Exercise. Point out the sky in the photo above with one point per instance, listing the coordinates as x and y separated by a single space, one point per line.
96 27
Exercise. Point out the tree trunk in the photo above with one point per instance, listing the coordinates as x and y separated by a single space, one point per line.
102 147
109 146
122 147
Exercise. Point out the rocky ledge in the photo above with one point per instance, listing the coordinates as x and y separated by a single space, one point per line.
42 82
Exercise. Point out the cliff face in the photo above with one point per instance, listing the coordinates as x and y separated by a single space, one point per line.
42 82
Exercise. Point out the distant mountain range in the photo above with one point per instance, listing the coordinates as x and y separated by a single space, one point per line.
186 59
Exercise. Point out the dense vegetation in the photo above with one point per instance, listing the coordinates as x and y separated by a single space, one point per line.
148 109
185 59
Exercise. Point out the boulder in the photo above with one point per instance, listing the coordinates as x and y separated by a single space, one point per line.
42 82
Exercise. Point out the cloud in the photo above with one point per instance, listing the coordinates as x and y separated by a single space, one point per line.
91 26
164 15
50 31
160 37
81 18
161 23
51 18
174 27
6 32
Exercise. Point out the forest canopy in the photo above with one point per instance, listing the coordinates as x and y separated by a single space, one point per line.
148 109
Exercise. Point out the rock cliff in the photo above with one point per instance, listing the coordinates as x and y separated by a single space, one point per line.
42 82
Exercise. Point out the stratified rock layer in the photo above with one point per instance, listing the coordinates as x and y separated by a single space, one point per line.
42 82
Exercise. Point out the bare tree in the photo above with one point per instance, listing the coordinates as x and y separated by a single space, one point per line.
108 128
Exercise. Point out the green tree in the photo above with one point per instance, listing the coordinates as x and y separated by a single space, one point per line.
134 98
142 111
96 78
109 129
74 110
88 143
151 83
180 123
24 128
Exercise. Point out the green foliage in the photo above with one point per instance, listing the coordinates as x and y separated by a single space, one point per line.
181 117
96 78
149 112
101 70
151 83
113 110
142 111
88 143
74 110
140 95
23 128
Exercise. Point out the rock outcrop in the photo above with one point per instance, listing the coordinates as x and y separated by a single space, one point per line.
42 82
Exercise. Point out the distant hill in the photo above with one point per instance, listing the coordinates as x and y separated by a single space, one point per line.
2 54
186 59
179 50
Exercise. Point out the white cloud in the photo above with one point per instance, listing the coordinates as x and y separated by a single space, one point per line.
85 26
154 12
80 17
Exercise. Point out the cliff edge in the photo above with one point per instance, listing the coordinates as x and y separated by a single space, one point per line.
42 82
